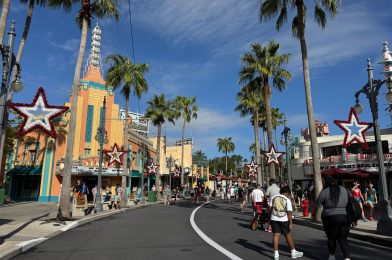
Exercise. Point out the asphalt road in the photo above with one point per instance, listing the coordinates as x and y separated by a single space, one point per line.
164 232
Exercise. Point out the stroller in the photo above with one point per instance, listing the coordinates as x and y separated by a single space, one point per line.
173 198
260 214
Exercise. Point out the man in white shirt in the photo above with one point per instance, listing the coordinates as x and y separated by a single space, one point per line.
273 189
257 195
281 221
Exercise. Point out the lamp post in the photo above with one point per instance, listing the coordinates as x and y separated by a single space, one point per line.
371 91
286 136
143 151
9 61
170 162
101 138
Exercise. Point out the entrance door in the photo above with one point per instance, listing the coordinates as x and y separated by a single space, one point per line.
91 181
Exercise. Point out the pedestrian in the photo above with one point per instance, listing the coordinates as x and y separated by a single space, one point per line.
272 191
231 194
334 199
357 194
198 194
78 188
281 220
207 192
84 189
241 196
167 195
371 199
119 192
222 193
138 195
94 191
153 188
256 197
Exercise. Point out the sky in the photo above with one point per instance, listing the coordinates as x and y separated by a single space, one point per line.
194 48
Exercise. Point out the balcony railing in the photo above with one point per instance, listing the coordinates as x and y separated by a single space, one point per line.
350 158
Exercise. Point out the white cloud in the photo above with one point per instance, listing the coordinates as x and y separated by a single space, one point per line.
69 45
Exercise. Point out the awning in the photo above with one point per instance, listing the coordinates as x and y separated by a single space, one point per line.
135 174
26 170
343 173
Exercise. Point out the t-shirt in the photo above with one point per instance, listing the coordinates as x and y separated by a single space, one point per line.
324 199
272 191
257 195
232 192
371 194
280 205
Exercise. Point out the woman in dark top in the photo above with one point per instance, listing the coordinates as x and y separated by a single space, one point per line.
334 199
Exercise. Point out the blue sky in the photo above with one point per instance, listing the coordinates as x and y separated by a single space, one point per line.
194 47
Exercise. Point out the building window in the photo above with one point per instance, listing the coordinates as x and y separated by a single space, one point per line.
89 123
33 154
86 152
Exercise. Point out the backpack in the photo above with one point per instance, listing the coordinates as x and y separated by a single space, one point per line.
353 209
279 207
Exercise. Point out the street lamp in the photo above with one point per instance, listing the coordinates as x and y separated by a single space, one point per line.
9 61
170 162
286 137
102 139
371 90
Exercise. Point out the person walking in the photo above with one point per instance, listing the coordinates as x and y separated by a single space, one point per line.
281 221
334 198
272 191
256 197
370 199
241 196
84 189
207 192
167 195
357 194
94 191
78 188
231 194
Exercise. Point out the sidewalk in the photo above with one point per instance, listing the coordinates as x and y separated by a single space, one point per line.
24 225
363 231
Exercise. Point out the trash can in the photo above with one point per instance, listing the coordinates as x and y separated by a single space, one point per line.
152 196
2 196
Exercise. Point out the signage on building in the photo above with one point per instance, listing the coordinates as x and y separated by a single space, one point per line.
90 170
139 122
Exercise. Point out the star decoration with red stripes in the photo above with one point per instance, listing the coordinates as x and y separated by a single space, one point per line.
38 115
115 155
272 155
252 168
354 130
152 169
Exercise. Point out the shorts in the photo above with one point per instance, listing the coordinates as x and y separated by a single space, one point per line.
281 227
358 200
370 203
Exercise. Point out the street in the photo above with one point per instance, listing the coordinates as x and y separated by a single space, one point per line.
165 232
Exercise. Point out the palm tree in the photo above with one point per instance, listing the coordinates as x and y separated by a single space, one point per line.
158 111
270 9
123 74
89 9
277 120
3 19
226 146
262 64
184 107
250 99
252 148
200 158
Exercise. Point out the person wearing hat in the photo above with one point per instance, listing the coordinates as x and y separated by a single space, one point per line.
357 194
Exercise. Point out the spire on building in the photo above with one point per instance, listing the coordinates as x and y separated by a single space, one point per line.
94 64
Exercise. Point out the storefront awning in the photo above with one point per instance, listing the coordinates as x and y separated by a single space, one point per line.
343 173
25 170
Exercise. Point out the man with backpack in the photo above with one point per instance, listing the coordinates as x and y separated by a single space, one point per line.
281 221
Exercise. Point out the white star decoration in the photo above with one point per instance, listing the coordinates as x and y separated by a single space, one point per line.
38 114
353 130
252 168
273 155
152 168
115 155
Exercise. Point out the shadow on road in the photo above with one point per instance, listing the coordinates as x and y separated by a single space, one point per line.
3 238
256 248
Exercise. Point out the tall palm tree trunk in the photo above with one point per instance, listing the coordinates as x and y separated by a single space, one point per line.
182 153
309 108
267 96
66 182
257 144
226 161
3 19
125 164
158 177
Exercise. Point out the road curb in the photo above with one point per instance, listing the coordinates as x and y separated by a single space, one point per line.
366 236
26 245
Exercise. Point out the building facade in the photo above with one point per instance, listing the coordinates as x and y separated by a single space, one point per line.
36 167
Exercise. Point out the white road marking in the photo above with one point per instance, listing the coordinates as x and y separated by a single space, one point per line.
26 245
209 240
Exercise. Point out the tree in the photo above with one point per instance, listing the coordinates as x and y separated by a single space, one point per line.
226 146
123 74
277 120
184 107
270 9
89 9
263 64
250 99
200 158
158 111
3 19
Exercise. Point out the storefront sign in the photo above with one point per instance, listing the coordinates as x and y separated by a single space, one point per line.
89 170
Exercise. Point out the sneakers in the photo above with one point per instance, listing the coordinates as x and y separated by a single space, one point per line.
331 257
276 257
365 220
371 218
296 254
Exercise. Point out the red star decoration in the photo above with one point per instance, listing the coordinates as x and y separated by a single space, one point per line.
115 155
43 116
272 155
176 172
152 168
351 136
252 168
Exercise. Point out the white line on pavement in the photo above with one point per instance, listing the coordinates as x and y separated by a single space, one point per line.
209 240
